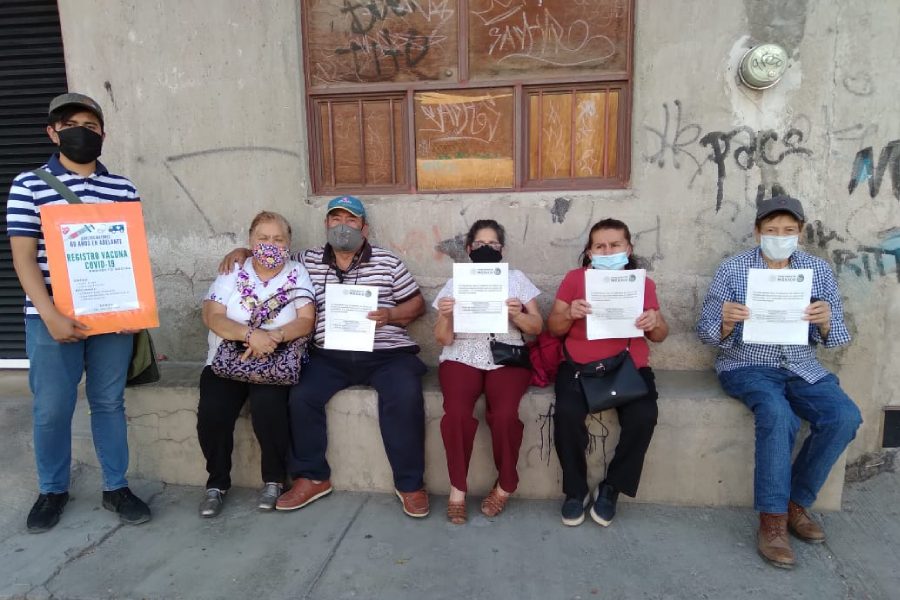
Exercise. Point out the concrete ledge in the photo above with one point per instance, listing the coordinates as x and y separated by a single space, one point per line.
701 454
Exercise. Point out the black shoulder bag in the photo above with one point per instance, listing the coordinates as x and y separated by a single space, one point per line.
610 382
510 355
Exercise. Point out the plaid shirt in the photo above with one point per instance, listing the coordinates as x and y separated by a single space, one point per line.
730 285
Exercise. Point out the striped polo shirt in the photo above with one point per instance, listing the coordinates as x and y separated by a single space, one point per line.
371 266
29 193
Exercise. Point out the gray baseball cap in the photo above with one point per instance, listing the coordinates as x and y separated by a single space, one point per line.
780 204
76 99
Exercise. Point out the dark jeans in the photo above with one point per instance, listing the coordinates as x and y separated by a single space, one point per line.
396 376
637 420
221 401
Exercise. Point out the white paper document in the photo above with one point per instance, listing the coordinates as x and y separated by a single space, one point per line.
346 325
480 291
100 269
617 300
776 299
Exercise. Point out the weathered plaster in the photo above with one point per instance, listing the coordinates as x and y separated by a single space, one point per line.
205 111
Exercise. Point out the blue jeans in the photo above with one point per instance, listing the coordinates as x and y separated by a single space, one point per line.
54 373
779 399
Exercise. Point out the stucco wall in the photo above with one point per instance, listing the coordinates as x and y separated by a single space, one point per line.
205 113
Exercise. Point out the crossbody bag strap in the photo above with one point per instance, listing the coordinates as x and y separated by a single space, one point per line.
61 188
254 316
568 356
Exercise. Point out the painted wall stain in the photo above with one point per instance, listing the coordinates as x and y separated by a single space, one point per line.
560 208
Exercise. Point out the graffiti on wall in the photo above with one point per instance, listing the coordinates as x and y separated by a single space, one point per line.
742 148
865 169
862 260
380 40
561 34
870 261
746 148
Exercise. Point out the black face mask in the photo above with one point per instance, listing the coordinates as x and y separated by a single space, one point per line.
80 144
485 254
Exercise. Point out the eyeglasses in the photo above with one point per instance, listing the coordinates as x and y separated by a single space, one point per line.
494 245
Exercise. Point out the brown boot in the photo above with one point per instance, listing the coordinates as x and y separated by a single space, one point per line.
802 525
772 541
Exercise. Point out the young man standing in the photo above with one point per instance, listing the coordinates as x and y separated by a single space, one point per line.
60 349
782 383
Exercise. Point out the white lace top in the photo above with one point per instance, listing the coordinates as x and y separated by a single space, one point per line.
474 349
242 289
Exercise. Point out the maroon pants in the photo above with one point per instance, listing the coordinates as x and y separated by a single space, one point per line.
503 389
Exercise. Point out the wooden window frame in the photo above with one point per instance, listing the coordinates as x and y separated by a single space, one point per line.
317 140
619 180
623 81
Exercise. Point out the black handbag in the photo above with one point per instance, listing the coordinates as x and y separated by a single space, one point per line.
510 355
610 382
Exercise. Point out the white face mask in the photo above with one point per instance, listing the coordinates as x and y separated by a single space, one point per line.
777 247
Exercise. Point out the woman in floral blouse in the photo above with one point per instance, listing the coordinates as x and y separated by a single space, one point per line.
280 292
467 370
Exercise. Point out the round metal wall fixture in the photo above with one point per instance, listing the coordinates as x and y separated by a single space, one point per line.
762 66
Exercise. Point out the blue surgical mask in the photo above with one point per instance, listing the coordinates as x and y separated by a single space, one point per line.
609 262
778 247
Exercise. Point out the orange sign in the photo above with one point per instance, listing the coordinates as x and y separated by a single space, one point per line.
99 265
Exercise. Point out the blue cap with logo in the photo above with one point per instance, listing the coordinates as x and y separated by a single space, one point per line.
351 204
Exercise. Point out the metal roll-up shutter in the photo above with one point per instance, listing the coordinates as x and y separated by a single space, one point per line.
32 72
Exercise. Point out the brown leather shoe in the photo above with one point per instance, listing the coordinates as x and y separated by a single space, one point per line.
302 493
772 541
415 504
802 525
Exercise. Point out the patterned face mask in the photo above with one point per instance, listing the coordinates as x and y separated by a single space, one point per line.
270 256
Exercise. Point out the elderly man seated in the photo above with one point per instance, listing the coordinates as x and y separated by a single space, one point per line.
782 383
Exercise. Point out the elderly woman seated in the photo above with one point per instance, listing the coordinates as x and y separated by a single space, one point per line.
259 316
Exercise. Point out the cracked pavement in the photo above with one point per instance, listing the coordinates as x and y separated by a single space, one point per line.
357 545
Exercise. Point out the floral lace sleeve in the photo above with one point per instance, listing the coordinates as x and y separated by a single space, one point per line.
304 293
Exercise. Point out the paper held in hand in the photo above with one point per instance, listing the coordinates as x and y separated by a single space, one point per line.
617 300
346 325
480 291
99 265
777 299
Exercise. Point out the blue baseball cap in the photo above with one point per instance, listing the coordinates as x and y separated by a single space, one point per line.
351 204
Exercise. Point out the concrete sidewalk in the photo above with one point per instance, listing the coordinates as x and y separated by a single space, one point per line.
355 545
